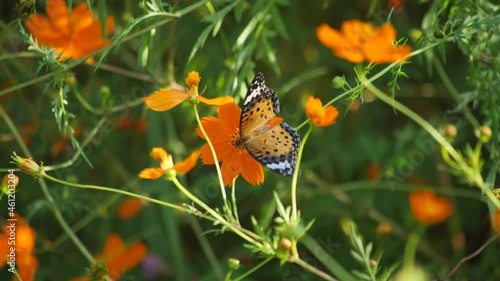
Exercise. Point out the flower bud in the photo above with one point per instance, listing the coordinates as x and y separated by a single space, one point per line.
234 264
28 166
338 82
105 92
450 131
484 133
71 81
373 263
285 244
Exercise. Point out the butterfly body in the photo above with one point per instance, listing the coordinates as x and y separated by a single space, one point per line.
265 136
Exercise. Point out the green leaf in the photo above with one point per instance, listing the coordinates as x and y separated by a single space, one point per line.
102 15
200 41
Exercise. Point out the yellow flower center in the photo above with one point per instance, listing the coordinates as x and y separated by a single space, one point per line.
236 140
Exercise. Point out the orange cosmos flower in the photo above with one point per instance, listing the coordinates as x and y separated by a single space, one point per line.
167 164
119 259
223 133
495 220
166 99
320 116
129 208
75 36
358 41
428 208
26 263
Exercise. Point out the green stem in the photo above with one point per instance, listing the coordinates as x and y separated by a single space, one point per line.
214 214
214 155
57 214
296 177
313 269
114 190
233 202
207 248
472 174
411 246
17 275
253 269
328 261
85 104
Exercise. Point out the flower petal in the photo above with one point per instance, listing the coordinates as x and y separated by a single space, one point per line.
129 208
151 173
216 101
252 172
429 208
188 164
165 99
380 48
340 44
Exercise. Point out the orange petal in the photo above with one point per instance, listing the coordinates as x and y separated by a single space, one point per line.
129 208
188 164
26 266
126 260
151 173
380 49
165 99
58 15
429 208
252 170
340 45
119 258
216 101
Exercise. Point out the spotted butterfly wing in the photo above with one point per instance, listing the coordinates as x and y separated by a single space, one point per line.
266 137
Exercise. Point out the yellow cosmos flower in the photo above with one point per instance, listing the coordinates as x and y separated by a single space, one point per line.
166 99
167 164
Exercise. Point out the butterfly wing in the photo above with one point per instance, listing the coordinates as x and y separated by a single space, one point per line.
276 148
269 140
261 105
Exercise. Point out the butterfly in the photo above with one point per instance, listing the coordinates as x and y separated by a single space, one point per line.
266 137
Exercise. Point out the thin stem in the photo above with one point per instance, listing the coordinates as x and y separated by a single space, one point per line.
253 269
75 156
214 214
114 190
206 247
296 177
313 269
85 104
214 155
453 91
472 174
53 207
126 72
328 261
411 246
17 275
233 201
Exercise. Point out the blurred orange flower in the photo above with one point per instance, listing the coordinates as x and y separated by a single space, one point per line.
495 221
58 146
320 116
358 41
166 99
119 259
26 263
167 164
428 208
129 208
224 132
75 35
